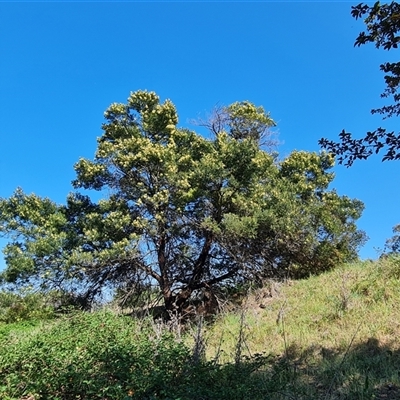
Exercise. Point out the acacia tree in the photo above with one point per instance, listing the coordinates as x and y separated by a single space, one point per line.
181 212
383 26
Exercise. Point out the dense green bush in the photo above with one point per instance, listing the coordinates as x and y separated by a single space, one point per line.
104 356
89 356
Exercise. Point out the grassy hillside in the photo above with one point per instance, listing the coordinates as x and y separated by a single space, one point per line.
338 332
354 303
335 336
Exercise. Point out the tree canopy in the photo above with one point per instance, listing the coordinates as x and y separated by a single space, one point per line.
180 212
382 28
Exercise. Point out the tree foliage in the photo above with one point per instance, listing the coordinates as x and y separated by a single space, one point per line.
392 245
181 212
382 28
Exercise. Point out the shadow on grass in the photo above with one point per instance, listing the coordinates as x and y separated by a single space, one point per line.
367 370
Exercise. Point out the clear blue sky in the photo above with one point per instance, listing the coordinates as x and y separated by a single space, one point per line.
63 64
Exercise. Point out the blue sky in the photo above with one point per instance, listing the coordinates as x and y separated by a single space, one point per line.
63 64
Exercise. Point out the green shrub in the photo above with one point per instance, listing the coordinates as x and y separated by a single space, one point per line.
90 356
109 357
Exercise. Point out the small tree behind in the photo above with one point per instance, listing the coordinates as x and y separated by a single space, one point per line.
392 245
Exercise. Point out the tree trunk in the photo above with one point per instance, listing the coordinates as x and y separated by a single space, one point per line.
176 303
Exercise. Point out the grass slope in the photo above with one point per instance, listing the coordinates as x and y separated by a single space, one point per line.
338 332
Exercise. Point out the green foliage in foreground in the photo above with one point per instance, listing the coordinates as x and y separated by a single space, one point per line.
103 356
